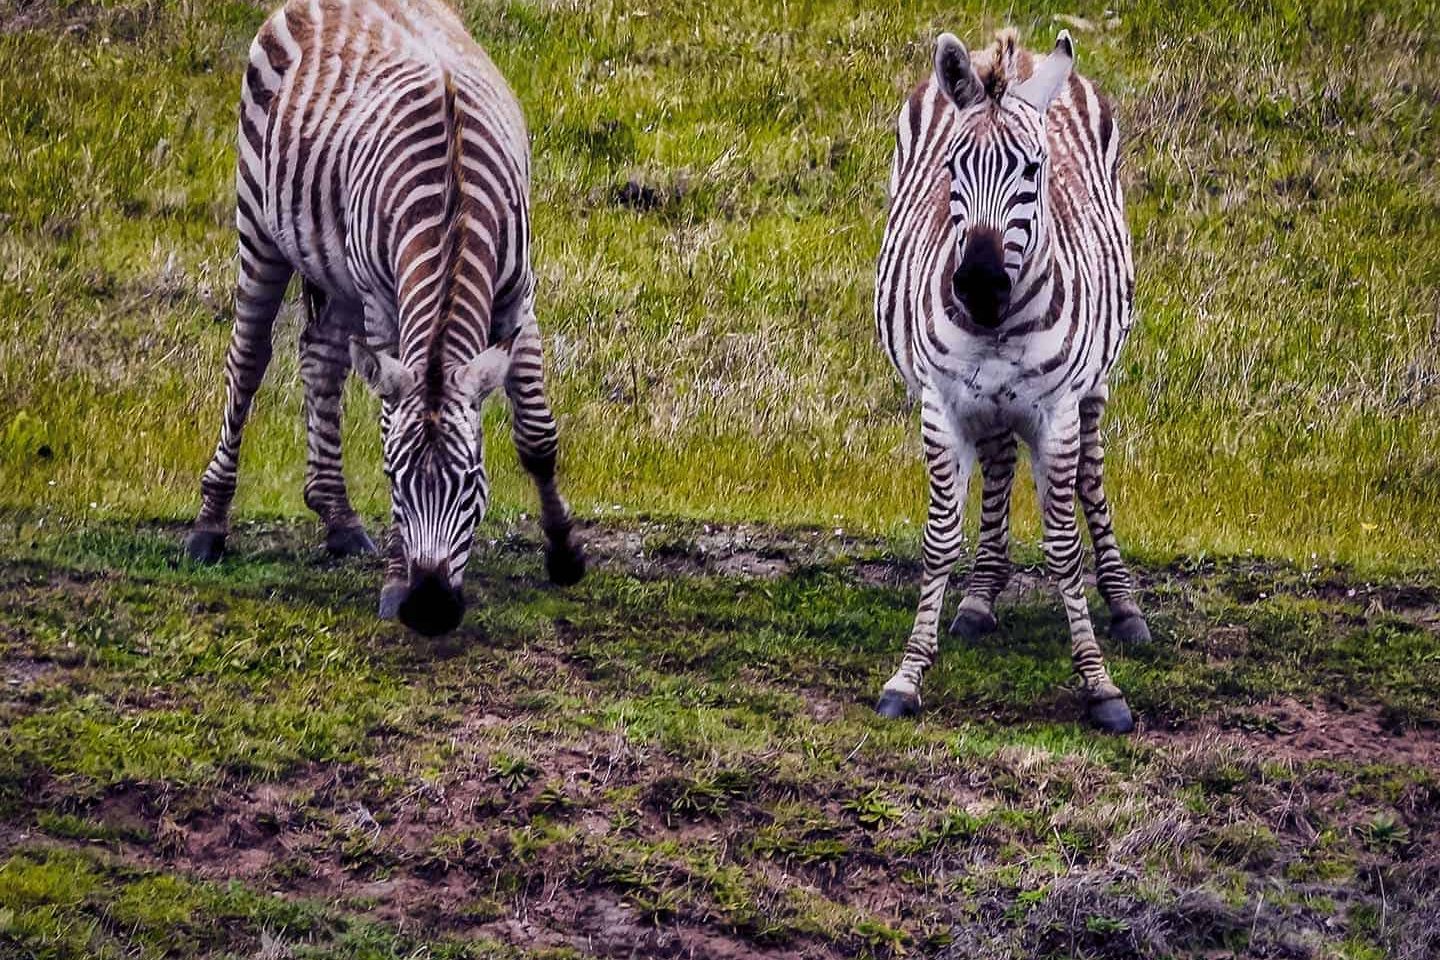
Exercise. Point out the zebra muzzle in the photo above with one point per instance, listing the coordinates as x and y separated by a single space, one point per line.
432 606
981 282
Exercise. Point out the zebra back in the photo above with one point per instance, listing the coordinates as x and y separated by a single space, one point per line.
395 166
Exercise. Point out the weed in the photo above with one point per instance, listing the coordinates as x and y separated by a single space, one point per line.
552 799
874 809
690 799
881 937
513 773
1384 833
1106 926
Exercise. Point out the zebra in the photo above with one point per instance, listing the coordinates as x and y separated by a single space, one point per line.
384 159
1003 294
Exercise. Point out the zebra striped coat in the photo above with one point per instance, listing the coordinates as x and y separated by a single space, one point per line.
383 158
1003 296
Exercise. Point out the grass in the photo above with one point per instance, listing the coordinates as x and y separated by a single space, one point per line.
679 761
709 190
678 756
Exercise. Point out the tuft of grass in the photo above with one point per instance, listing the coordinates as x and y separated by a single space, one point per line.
1384 833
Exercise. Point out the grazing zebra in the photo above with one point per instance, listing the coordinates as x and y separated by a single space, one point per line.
1003 296
383 157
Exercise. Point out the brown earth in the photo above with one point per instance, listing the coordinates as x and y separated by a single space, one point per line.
1290 730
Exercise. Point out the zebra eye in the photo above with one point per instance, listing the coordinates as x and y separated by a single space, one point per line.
1031 169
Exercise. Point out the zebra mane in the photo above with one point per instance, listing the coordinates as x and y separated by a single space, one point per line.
1004 62
451 245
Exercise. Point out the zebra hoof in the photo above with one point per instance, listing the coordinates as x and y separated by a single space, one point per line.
391 596
971 625
1112 715
894 705
1131 629
565 563
349 542
205 546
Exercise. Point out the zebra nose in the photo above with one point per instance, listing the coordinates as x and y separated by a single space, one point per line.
981 281
432 606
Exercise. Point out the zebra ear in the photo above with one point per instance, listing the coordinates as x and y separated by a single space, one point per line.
386 375
486 373
953 72
1049 78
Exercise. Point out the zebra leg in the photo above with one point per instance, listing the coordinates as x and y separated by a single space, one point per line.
1056 456
536 440
948 459
976 616
1113 578
259 291
397 576
324 365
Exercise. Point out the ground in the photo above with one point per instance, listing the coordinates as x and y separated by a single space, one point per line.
678 757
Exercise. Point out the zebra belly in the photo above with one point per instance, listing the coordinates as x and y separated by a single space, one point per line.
317 252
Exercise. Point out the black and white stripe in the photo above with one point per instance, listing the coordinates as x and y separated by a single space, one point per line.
1003 295
384 159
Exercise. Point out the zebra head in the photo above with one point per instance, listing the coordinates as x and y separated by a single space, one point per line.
998 167
434 458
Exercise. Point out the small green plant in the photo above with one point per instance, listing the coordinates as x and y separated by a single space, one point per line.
513 773
655 904
774 844
1025 901
692 799
76 827
624 819
879 936
1106 926
552 798
1384 833
956 826
874 809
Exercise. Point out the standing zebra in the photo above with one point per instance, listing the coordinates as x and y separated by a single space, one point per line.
1003 296
383 157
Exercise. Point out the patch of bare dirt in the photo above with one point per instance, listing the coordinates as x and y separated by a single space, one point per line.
457 852
1290 730
603 923
886 574
20 675
895 573
656 549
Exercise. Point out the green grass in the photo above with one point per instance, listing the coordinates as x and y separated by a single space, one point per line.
713 357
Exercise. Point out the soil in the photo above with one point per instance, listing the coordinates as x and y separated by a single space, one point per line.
651 549
1299 732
